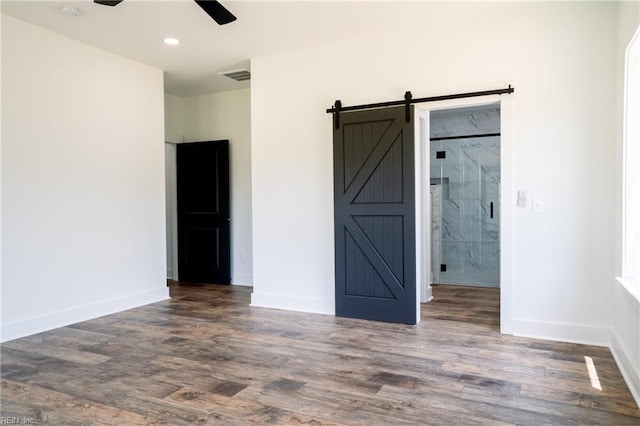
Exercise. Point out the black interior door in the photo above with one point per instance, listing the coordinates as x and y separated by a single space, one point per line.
375 216
203 212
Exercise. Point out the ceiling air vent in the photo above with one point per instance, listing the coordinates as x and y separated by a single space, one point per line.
237 75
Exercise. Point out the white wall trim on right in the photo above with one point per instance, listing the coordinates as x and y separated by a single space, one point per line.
562 332
77 314
631 377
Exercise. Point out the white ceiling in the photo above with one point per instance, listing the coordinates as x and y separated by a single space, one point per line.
135 29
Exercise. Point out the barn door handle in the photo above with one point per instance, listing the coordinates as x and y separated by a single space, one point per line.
491 209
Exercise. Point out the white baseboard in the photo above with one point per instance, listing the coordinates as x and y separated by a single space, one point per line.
571 333
631 376
242 279
245 280
292 303
47 322
428 295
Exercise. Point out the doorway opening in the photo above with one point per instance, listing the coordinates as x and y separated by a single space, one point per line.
465 238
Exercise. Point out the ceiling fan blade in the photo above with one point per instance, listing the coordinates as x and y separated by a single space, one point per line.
217 11
108 2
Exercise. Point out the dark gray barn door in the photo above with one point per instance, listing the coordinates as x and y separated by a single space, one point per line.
375 216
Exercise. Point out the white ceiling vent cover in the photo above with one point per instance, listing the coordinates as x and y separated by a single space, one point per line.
237 75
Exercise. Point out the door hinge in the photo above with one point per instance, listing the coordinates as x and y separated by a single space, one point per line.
443 267
441 154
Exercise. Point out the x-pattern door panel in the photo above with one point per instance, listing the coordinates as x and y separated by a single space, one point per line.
375 216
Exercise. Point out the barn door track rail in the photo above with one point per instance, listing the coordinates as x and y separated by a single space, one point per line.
408 101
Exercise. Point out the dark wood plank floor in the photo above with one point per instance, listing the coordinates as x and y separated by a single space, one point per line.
207 357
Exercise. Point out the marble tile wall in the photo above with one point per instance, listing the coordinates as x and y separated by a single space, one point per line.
469 177
464 121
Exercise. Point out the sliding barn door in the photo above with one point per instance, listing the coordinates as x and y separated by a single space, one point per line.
375 216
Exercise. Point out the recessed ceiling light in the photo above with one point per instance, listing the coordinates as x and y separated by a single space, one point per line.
171 41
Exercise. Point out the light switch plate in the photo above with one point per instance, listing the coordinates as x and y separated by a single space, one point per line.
537 205
522 198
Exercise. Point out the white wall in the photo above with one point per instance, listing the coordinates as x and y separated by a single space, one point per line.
82 181
171 201
173 133
560 57
173 118
626 309
225 115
